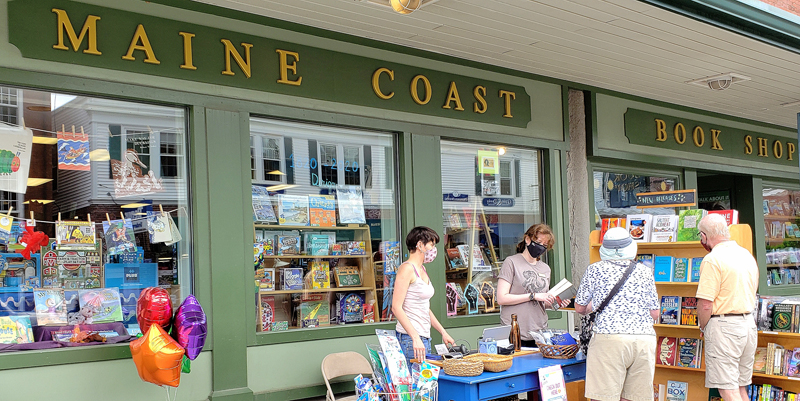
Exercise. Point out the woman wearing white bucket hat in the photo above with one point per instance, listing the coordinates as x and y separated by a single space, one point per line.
621 359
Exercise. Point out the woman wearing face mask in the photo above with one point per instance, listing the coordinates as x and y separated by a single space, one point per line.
412 294
523 283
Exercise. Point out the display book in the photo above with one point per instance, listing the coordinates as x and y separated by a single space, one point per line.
392 378
668 227
309 210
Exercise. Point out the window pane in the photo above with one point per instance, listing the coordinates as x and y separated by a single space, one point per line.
104 173
781 218
271 155
352 231
351 164
252 158
481 228
615 194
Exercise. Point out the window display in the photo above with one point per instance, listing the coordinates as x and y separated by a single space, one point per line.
782 236
93 208
615 196
325 224
485 216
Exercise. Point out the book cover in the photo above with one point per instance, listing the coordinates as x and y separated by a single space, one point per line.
666 350
74 235
320 274
639 226
782 317
760 361
322 210
663 268
454 257
478 262
51 307
677 390
695 269
687 224
288 245
731 215
293 210
609 223
266 312
665 228
670 309
689 311
15 330
292 278
351 205
105 304
391 256
262 206
681 273
646 259
463 251
119 236
688 353
793 363
563 291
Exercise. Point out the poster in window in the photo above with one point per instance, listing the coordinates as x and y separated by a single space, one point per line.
129 179
73 150
15 158
488 162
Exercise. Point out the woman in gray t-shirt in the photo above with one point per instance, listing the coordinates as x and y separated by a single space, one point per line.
524 281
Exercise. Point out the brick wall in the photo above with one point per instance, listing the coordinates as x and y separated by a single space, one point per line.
792 6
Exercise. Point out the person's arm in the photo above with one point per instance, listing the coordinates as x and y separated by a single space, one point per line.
583 300
655 314
504 298
401 283
446 339
583 309
707 290
703 312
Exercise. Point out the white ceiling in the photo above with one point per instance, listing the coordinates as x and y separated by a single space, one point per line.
622 45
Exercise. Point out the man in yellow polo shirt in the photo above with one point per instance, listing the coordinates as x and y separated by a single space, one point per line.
726 296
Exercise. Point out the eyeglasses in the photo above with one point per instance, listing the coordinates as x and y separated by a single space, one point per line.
700 234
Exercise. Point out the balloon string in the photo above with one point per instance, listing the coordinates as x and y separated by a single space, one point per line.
174 397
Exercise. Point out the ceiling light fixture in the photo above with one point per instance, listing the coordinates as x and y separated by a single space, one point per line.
280 187
404 7
134 205
276 172
39 201
35 182
99 155
719 82
45 140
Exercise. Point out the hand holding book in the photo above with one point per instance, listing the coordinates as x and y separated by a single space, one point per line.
562 292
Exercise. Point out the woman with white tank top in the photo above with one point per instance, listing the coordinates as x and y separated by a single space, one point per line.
413 291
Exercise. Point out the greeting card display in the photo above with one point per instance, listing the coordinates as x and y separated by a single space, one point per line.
75 235
119 236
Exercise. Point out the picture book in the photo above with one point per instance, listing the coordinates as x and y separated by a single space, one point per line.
666 350
320 274
760 361
646 259
266 312
793 363
104 304
292 278
288 245
609 223
454 259
695 269
293 210
75 235
262 206
677 391
51 308
351 205
15 330
688 353
689 311
681 273
119 236
318 244
391 256
396 361
639 226
782 317
687 224
663 268
731 215
322 210
670 309
665 228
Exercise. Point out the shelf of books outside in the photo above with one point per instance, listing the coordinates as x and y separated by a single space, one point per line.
676 326
336 289
276 227
703 369
779 217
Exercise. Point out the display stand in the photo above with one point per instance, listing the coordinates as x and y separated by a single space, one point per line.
362 263
742 234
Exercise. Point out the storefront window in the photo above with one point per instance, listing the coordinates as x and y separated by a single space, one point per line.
94 208
326 242
491 195
615 194
782 239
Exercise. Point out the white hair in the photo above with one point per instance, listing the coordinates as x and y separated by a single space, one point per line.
715 226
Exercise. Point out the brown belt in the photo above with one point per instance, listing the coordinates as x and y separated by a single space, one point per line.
732 314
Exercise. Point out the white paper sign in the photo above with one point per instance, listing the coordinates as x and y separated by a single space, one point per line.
551 384
15 158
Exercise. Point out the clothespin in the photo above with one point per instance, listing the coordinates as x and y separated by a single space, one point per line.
73 130
10 208
32 219
22 120
89 218
161 209
59 216
63 130
123 217
108 219
83 134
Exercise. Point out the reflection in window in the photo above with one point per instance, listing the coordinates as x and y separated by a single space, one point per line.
782 235
615 194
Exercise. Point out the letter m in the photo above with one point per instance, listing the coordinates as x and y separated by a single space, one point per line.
89 29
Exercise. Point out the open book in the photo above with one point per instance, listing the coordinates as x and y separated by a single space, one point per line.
562 291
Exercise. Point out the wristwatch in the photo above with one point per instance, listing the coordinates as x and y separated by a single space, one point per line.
532 297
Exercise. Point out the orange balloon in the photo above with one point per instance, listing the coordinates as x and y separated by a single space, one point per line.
158 357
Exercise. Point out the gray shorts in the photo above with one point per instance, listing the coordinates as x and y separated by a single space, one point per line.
730 348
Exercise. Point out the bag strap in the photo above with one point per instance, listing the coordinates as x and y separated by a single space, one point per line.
617 287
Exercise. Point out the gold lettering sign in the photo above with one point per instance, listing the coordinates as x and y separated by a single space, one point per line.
452 96
479 106
508 97
230 51
187 51
415 90
141 42
285 67
376 85
89 29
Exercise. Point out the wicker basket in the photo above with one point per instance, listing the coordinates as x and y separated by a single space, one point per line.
493 362
558 351
462 367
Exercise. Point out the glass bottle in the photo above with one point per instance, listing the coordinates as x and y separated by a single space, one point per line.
514 337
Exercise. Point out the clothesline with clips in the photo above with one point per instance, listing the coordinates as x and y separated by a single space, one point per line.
89 216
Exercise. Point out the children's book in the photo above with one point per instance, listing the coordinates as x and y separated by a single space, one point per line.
609 223
664 267
639 226
454 259
666 350
760 361
288 245
320 274
396 361
15 330
687 224
119 236
391 256
670 309
266 312
75 235
322 210
262 206
104 303
351 205
689 311
793 365
677 391
731 215
665 228
293 210
681 273
695 269
51 307
688 352
646 259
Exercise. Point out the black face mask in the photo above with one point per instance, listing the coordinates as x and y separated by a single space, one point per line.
535 249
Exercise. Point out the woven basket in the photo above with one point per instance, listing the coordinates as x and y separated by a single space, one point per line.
462 367
493 362
558 351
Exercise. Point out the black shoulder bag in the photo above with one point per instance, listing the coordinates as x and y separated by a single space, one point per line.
587 321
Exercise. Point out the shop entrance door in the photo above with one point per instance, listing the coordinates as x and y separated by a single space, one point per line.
727 191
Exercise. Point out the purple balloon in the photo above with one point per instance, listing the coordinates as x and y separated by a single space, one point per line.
190 326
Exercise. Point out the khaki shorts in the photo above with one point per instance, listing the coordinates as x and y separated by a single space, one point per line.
620 365
730 347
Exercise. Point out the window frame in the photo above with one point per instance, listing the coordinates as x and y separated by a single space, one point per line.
341 164
257 158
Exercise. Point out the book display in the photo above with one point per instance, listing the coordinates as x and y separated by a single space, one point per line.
680 364
782 236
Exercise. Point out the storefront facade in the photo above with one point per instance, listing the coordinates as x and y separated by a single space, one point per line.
219 106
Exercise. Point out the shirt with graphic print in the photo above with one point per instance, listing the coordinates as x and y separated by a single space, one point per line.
629 311
525 278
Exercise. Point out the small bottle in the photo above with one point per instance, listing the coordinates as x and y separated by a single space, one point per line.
514 337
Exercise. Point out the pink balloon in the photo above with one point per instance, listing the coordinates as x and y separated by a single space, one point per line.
153 307
190 326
